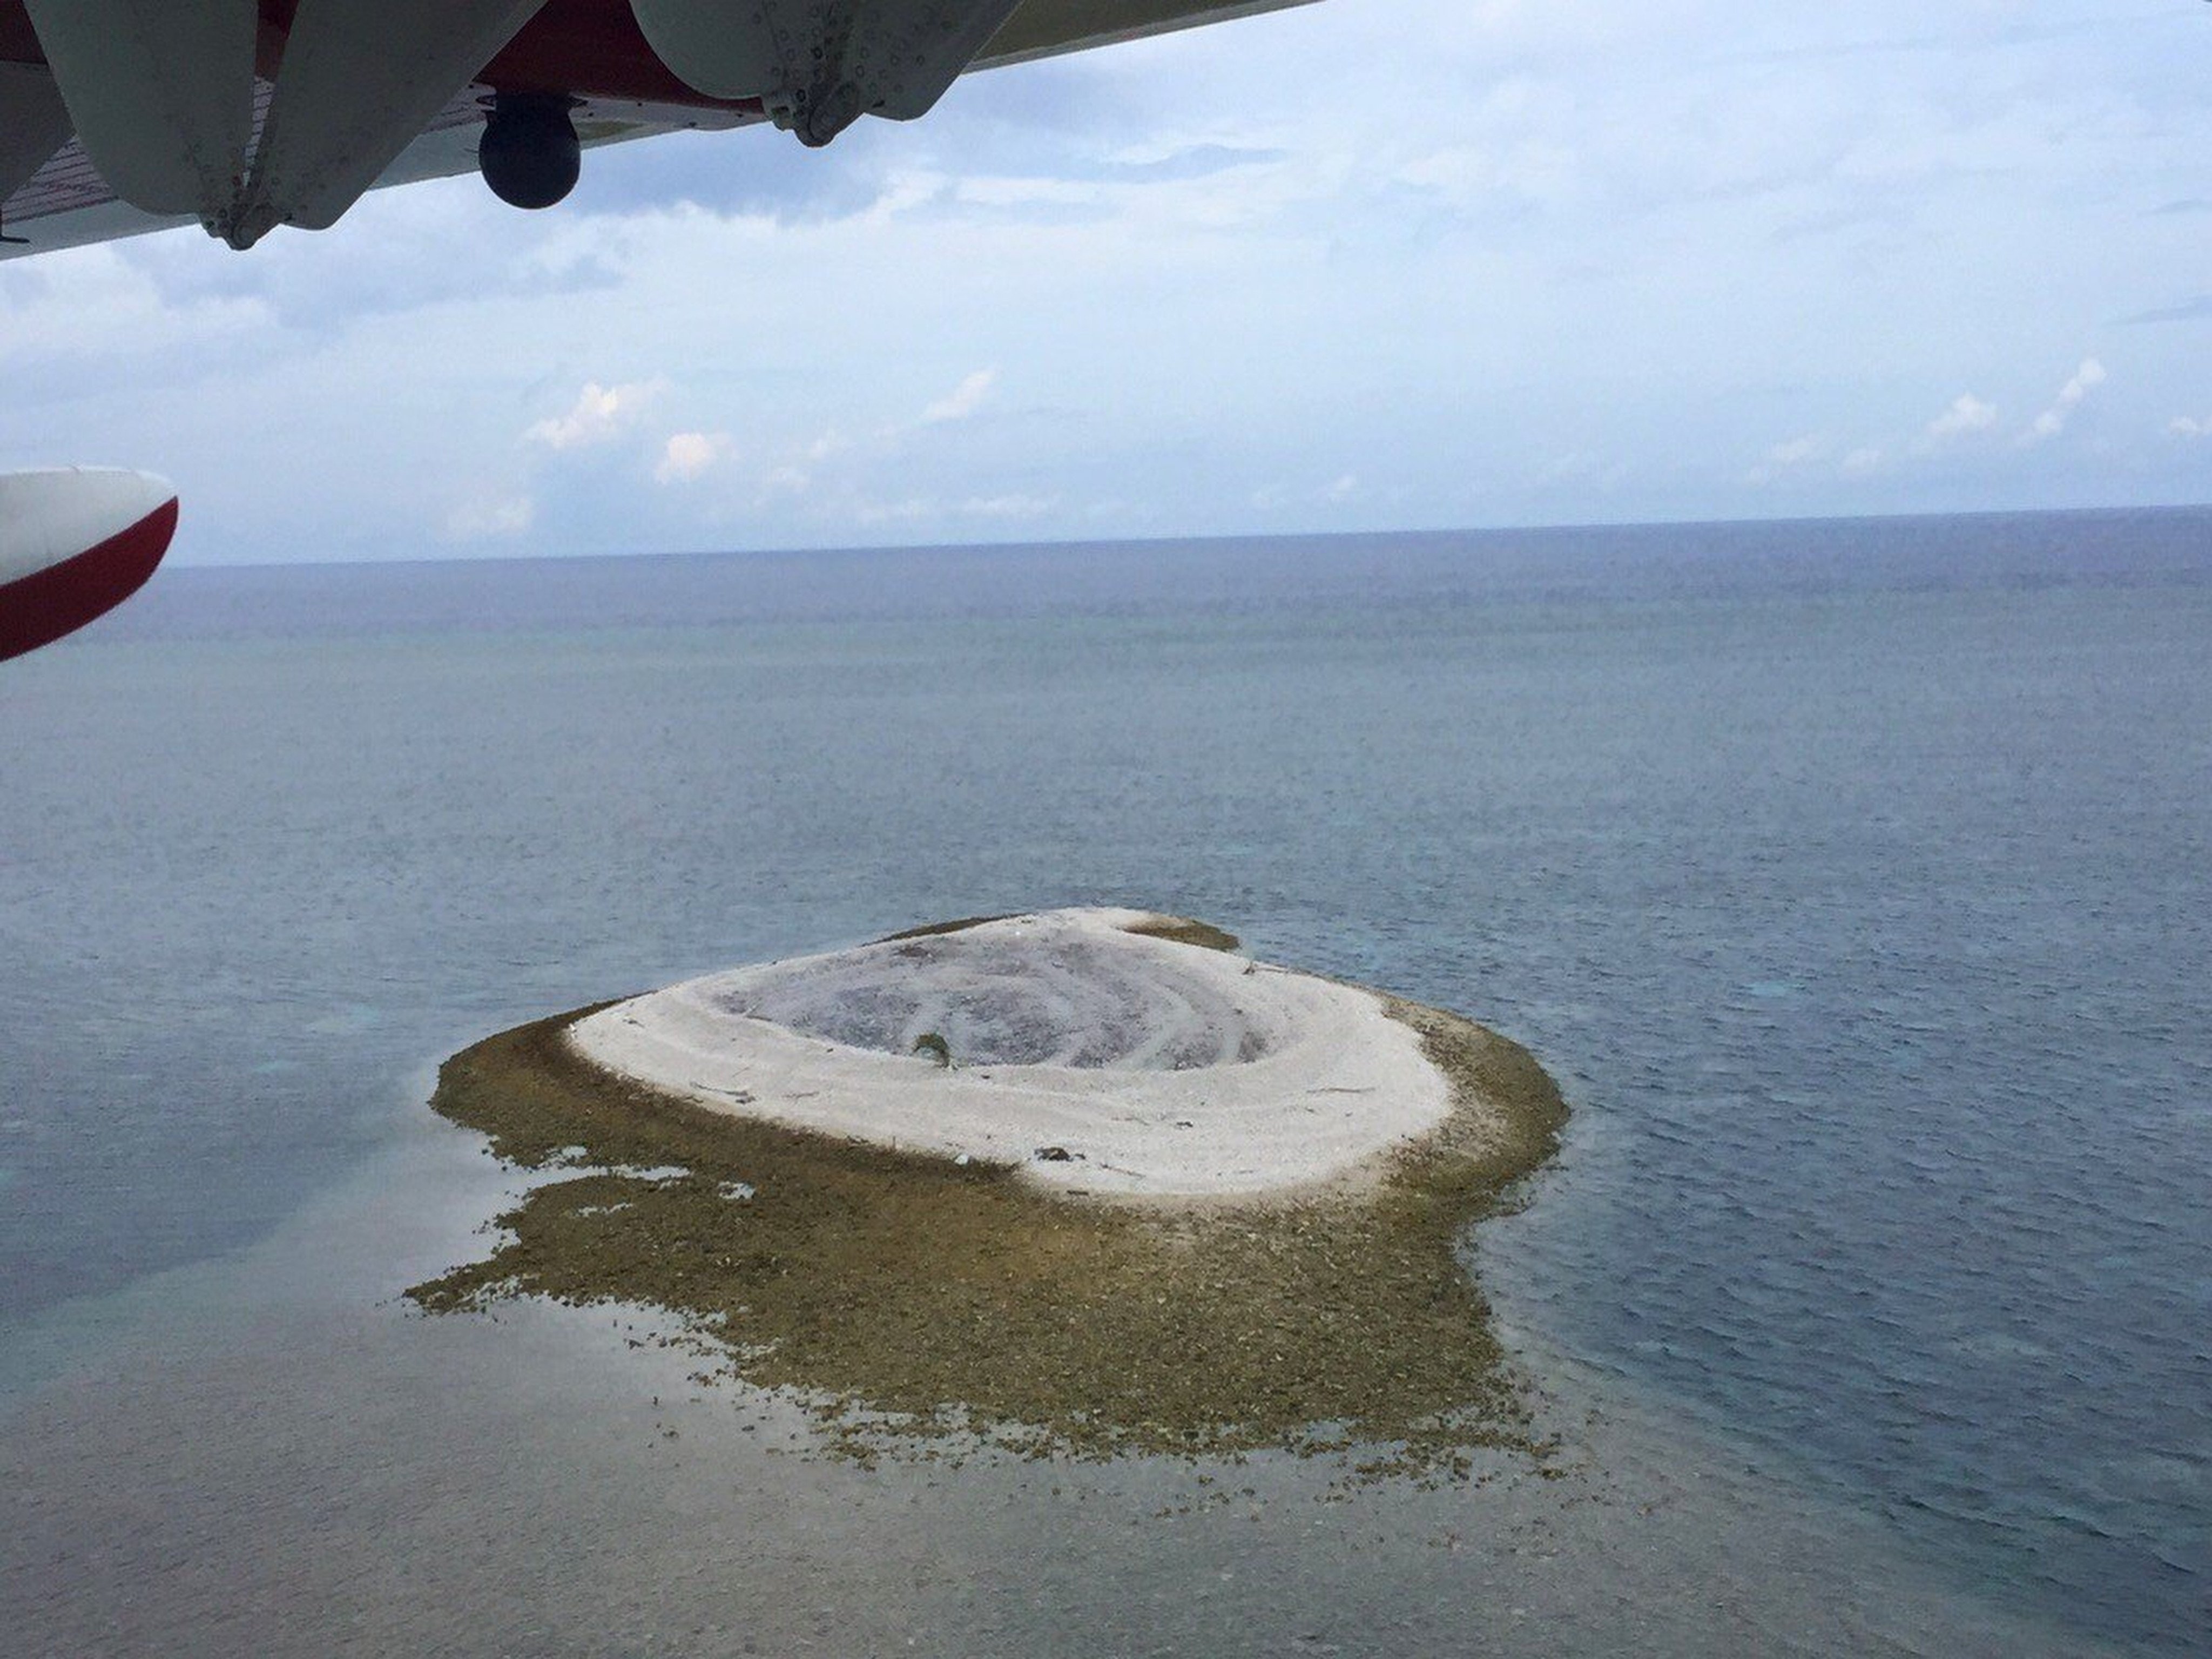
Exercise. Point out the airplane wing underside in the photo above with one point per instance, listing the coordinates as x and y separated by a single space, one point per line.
563 47
67 204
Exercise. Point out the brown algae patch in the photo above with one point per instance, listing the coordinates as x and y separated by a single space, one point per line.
1183 930
908 1294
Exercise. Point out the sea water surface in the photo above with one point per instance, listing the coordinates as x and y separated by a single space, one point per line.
1852 877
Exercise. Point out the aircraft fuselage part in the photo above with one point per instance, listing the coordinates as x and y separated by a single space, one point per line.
75 543
819 65
161 91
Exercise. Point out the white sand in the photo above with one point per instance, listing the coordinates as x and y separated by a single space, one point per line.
1162 1070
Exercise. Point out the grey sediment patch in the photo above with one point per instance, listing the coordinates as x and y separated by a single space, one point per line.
913 1295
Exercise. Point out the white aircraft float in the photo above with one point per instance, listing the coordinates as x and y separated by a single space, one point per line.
123 116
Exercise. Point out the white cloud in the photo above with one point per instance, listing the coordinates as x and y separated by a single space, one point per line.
686 455
1860 462
1343 489
600 412
98 301
1010 507
964 400
797 473
2184 426
1787 457
488 518
2052 420
1525 169
1967 413
2092 372
903 512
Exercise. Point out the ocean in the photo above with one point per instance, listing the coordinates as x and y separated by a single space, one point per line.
1852 877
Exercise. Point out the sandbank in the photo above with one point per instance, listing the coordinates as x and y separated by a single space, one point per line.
1162 1199
1091 1050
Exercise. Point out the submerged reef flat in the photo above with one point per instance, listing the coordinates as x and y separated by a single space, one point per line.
1082 1181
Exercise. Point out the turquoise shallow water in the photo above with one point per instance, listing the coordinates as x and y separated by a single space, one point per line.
1853 878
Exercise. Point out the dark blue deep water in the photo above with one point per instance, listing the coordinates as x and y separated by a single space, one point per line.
1856 878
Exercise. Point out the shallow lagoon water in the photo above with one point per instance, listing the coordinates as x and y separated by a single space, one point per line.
320 1471
1852 879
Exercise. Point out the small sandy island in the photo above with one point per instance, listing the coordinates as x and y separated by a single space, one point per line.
1080 1180
1096 1051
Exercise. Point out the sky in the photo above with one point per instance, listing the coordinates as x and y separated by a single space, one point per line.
1366 265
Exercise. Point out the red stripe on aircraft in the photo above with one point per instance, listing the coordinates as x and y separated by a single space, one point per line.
39 609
